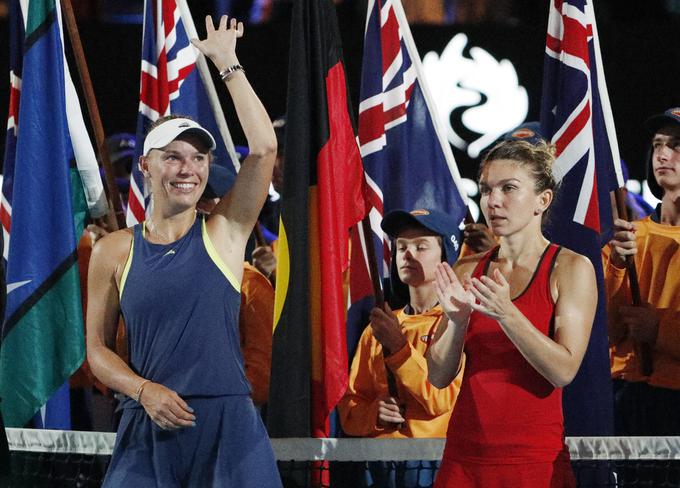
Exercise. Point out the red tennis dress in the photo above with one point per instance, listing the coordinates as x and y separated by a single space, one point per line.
507 428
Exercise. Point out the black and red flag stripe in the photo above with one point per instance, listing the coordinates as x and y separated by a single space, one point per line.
322 198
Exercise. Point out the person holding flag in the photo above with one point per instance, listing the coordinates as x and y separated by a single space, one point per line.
188 419
646 404
522 313
397 341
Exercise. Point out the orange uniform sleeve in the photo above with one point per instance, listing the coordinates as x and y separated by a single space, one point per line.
358 408
410 370
256 328
618 293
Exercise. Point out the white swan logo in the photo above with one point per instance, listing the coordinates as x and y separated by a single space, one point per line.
488 87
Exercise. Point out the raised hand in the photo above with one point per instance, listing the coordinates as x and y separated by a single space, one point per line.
220 44
166 408
455 297
493 295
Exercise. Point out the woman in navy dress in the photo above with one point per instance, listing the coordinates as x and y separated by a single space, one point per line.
188 419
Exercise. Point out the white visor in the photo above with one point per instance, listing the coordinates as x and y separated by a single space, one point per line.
170 130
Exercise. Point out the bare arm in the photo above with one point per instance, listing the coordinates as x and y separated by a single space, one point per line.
558 359
445 354
108 258
233 219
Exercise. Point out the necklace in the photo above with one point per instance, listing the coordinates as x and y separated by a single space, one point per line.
151 225
152 228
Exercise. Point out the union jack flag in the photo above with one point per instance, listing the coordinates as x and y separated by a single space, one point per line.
172 81
576 117
15 68
407 160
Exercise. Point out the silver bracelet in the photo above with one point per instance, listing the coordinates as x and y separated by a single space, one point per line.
227 73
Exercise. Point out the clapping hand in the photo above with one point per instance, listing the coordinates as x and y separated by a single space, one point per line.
455 297
493 295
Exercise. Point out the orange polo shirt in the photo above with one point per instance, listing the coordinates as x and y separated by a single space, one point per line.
657 263
427 408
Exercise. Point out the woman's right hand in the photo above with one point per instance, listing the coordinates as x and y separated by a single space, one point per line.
166 408
455 297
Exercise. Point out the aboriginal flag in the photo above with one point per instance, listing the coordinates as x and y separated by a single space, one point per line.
322 198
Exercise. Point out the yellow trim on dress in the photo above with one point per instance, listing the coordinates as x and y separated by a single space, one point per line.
212 252
126 269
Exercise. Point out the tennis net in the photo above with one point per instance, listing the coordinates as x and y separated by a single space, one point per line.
48 458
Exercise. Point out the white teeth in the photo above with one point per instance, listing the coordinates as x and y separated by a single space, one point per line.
183 186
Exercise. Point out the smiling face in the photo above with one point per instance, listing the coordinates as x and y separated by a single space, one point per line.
666 158
509 199
418 251
178 172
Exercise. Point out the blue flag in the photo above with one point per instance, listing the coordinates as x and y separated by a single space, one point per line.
576 117
42 334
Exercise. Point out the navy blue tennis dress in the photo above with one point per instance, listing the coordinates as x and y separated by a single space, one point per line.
181 306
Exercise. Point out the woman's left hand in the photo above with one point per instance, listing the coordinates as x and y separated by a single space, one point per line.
220 44
493 296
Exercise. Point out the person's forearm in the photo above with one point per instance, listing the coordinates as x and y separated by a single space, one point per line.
551 360
444 354
111 370
251 114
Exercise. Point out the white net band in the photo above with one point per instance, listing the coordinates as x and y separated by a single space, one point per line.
307 449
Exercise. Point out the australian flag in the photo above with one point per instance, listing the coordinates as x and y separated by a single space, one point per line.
407 160
576 117
172 83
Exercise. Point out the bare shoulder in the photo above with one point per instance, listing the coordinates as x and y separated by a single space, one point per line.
574 270
112 250
570 261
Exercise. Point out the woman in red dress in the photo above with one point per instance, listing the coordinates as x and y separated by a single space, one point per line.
522 312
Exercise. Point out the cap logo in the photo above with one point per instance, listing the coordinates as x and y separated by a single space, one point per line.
523 133
184 124
454 241
675 111
420 212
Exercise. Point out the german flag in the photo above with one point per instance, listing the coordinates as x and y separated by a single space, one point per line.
322 198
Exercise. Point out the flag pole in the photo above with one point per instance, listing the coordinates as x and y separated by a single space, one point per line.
643 349
378 294
115 204
213 99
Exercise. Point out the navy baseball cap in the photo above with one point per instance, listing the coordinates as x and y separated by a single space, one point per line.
669 117
120 146
220 181
528 131
433 220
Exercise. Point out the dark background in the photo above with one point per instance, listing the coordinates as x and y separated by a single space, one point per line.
640 45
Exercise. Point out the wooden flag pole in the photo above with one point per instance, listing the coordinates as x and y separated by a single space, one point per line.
259 237
378 294
115 203
643 349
